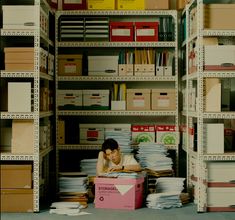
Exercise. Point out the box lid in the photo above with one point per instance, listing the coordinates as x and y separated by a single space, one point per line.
102 58
163 90
18 49
95 92
70 56
15 167
138 90
16 191
121 180
91 126
220 6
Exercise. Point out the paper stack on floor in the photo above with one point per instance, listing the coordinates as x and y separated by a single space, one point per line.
168 193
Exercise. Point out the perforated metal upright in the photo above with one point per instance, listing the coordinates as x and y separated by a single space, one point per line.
201 157
123 14
35 115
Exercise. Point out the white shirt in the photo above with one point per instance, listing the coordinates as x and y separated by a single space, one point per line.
126 159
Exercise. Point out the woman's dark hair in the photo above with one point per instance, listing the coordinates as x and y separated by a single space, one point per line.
109 143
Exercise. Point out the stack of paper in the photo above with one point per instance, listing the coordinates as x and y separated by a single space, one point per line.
154 156
170 184
163 200
121 133
72 184
66 208
168 193
88 166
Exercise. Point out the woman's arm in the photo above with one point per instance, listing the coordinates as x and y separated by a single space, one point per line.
100 166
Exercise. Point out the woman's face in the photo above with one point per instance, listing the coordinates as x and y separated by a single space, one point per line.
113 155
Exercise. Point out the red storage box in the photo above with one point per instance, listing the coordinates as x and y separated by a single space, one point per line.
146 31
121 31
74 4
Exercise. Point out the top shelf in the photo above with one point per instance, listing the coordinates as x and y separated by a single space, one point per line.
118 12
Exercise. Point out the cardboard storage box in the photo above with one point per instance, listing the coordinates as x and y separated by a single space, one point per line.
213 137
19 58
16 176
142 133
96 99
212 94
130 4
91 133
221 198
138 99
22 137
156 4
219 57
219 16
167 135
69 99
16 200
27 17
146 31
74 4
70 65
19 97
163 99
121 31
119 193
101 4
103 65
221 172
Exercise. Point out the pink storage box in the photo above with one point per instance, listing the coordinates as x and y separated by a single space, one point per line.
119 193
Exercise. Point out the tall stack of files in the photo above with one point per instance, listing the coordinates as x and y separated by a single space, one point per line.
88 166
168 193
153 156
71 28
121 133
73 187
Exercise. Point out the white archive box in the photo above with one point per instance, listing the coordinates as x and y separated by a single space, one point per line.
219 57
219 197
91 133
19 97
117 127
213 135
96 99
69 99
221 172
103 65
27 16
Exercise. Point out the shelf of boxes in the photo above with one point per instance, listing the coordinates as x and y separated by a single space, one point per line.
38 35
80 44
208 120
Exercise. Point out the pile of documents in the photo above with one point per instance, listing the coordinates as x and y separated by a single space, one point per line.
122 134
168 193
73 187
88 166
66 208
153 156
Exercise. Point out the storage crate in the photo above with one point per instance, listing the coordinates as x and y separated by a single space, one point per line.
119 193
70 65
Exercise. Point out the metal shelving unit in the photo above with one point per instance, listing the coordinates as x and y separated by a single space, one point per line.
116 116
38 37
197 160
